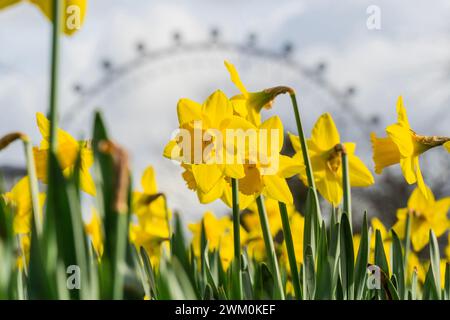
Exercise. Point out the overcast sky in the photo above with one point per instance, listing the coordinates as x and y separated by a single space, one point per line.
408 56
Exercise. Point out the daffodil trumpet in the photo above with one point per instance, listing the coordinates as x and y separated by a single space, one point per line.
287 234
270 249
31 170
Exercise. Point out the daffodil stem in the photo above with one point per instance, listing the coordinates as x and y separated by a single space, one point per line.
270 249
290 249
305 153
34 189
346 184
53 107
236 235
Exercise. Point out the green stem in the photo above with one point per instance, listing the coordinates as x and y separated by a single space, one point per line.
290 249
270 249
236 235
53 108
34 189
305 153
346 183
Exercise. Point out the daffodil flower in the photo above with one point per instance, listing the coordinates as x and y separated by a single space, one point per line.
426 213
219 234
209 121
67 153
326 160
404 146
19 199
94 230
74 11
151 230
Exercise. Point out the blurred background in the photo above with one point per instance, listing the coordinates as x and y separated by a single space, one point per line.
135 59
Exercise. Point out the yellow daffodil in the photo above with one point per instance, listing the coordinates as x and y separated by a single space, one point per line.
67 151
326 160
19 198
404 146
198 145
219 234
74 11
94 230
247 104
152 230
426 213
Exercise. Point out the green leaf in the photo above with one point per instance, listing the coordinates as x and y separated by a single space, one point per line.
309 284
447 281
398 269
323 275
380 255
150 276
435 260
362 260
347 258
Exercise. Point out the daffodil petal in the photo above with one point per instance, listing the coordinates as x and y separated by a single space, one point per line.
172 150
214 194
350 147
216 108
273 132
420 182
419 202
295 141
235 78
402 138
206 176
289 167
235 171
330 188
87 183
401 113
188 111
239 106
408 170
360 176
277 188
325 134
148 181
447 146
378 225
